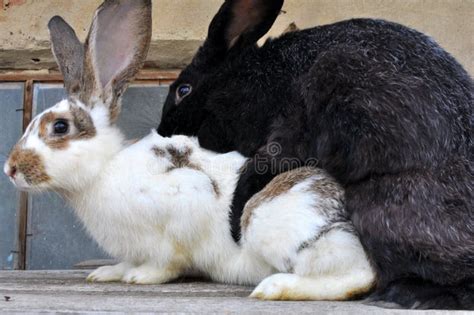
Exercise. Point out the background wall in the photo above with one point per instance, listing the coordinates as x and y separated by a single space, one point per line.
179 26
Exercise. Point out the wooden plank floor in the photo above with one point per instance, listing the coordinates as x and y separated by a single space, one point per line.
67 291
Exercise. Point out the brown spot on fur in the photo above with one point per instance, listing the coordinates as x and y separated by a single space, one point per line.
82 127
332 227
292 27
158 151
180 159
45 120
279 185
83 123
28 163
216 188
326 187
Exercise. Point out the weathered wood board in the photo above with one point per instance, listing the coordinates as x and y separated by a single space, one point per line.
67 291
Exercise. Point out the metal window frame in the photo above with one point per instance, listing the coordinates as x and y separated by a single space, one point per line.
29 80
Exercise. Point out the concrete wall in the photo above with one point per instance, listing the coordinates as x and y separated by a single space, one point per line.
179 26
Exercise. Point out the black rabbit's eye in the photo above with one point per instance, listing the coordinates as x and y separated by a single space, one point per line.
182 91
61 127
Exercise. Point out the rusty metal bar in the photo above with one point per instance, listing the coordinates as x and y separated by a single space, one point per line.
23 206
144 75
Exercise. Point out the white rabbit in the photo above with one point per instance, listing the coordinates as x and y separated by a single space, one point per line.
161 205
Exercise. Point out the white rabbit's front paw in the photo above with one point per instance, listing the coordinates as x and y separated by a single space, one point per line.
276 287
108 273
147 274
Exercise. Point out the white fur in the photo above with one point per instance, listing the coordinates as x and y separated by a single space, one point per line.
164 224
164 220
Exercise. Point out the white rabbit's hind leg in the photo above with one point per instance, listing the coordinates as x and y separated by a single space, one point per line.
292 287
109 273
149 273
276 287
333 267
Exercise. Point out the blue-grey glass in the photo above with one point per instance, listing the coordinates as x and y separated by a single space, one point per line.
11 105
141 109
58 239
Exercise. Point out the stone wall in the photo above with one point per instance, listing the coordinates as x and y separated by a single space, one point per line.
179 26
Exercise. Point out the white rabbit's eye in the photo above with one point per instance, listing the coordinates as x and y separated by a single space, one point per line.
182 91
61 127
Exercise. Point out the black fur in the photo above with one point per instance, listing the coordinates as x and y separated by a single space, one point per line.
382 107
418 294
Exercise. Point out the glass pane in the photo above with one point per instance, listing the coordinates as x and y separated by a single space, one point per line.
141 109
58 239
11 119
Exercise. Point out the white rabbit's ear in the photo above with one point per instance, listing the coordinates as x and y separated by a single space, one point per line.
68 52
116 48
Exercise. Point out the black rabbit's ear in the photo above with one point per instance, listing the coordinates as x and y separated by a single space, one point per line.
249 20
239 23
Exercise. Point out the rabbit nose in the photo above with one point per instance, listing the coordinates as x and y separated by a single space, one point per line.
10 171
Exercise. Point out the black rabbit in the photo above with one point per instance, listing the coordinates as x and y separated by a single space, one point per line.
382 107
